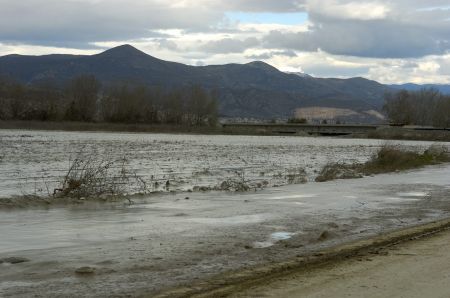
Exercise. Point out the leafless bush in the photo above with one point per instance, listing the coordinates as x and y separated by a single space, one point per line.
389 158
238 183
296 176
333 171
91 177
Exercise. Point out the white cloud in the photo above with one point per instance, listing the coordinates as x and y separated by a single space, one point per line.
390 41
358 10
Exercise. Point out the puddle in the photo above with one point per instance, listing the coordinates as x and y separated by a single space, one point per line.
413 194
274 238
403 199
281 236
232 220
307 196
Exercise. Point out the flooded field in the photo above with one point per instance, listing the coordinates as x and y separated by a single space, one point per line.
166 241
34 162
173 238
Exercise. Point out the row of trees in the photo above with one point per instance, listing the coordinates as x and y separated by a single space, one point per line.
426 107
84 99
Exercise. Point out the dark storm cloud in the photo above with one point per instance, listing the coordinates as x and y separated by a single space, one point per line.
366 28
379 39
53 22
382 32
230 45
48 22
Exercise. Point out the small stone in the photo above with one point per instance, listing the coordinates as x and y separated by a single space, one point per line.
187 198
85 270
324 236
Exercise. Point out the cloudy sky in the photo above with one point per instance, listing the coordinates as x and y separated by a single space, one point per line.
391 41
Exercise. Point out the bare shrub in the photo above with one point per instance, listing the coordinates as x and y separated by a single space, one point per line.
392 158
238 183
296 176
389 158
333 171
91 177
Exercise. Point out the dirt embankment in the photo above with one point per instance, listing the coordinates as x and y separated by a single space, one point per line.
377 267
108 127
413 269
388 133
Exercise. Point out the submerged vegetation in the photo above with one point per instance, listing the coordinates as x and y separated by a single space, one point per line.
388 159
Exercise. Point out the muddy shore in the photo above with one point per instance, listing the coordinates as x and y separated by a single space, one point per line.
388 133
416 267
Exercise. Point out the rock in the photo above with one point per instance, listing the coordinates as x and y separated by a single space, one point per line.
333 225
187 198
324 236
14 260
85 270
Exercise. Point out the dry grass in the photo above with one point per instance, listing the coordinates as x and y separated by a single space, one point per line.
392 158
388 159
92 178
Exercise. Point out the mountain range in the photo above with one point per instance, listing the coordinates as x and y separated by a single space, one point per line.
445 89
252 90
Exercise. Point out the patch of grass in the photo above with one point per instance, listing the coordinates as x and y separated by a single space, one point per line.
392 158
388 159
333 171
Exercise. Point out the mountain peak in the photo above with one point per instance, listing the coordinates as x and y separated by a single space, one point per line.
262 65
123 51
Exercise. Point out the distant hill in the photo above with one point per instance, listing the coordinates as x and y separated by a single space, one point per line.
445 89
255 89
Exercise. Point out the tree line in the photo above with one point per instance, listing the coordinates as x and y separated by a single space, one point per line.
85 99
427 107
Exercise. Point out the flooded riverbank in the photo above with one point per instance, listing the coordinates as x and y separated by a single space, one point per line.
169 240
35 162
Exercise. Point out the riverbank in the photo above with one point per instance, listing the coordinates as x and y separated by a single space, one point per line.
108 127
383 133
415 268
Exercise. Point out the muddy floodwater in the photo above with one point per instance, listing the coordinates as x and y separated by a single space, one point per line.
170 239
167 240
33 162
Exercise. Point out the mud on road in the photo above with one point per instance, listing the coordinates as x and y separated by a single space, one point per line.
409 263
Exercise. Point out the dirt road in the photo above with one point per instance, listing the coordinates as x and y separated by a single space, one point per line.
419 268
